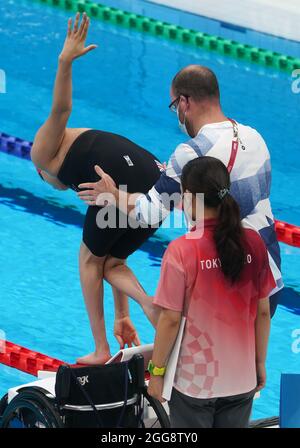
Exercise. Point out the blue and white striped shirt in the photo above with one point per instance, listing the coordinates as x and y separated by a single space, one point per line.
250 182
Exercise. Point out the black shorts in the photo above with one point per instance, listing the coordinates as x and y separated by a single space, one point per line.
226 412
128 164
117 242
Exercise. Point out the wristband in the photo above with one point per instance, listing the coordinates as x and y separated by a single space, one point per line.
156 371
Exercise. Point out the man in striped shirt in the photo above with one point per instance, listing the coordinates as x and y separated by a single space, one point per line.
196 100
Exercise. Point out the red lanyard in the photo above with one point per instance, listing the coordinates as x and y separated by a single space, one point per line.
234 145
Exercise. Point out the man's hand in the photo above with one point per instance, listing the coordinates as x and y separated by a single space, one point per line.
125 332
155 387
74 45
92 190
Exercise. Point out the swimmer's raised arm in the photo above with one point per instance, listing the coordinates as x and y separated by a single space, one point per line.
49 137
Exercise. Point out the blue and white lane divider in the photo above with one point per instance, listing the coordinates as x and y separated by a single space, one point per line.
15 146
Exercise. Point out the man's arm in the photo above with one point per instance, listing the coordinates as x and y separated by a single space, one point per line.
150 208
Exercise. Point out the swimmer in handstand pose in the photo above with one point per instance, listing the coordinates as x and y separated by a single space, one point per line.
65 157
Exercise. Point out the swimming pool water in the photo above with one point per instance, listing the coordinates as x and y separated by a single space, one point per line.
121 87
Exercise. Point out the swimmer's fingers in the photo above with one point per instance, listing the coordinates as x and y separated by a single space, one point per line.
120 341
89 48
82 34
69 27
83 24
136 340
84 28
77 17
132 339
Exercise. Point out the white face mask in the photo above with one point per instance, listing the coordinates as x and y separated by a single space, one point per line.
182 126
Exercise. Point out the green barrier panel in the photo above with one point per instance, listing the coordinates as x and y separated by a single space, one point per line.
171 32
227 47
69 5
200 39
179 34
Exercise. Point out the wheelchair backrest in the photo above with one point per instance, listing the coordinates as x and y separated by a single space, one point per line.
93 386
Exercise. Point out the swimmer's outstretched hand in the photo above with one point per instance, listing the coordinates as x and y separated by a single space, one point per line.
125 333
74 45
98 193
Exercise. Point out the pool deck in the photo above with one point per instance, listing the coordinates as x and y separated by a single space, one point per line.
276 17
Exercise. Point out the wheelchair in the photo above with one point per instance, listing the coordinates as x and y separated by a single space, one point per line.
107 396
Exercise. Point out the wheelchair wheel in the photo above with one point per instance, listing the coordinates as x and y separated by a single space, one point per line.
161 418
31 409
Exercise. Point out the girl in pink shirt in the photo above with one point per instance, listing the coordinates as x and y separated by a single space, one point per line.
218 276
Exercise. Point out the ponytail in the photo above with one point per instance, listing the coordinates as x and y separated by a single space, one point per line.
229 238
209 176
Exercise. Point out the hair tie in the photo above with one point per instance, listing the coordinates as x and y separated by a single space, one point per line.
222 193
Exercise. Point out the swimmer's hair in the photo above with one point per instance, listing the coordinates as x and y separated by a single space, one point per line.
197 82
209 176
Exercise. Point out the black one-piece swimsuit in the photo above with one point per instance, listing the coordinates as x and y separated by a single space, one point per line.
128 164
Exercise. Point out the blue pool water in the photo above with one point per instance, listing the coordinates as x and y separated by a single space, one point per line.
122 87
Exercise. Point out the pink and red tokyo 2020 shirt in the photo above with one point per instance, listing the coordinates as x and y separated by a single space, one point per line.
217 355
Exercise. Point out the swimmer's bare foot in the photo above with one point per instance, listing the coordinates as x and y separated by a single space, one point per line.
94 358
152 312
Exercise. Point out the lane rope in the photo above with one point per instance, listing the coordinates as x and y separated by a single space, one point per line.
176 33
28 361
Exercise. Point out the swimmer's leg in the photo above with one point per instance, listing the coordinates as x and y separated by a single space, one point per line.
91 277
121 277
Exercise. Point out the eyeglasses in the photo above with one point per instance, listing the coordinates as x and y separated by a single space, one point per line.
173 106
